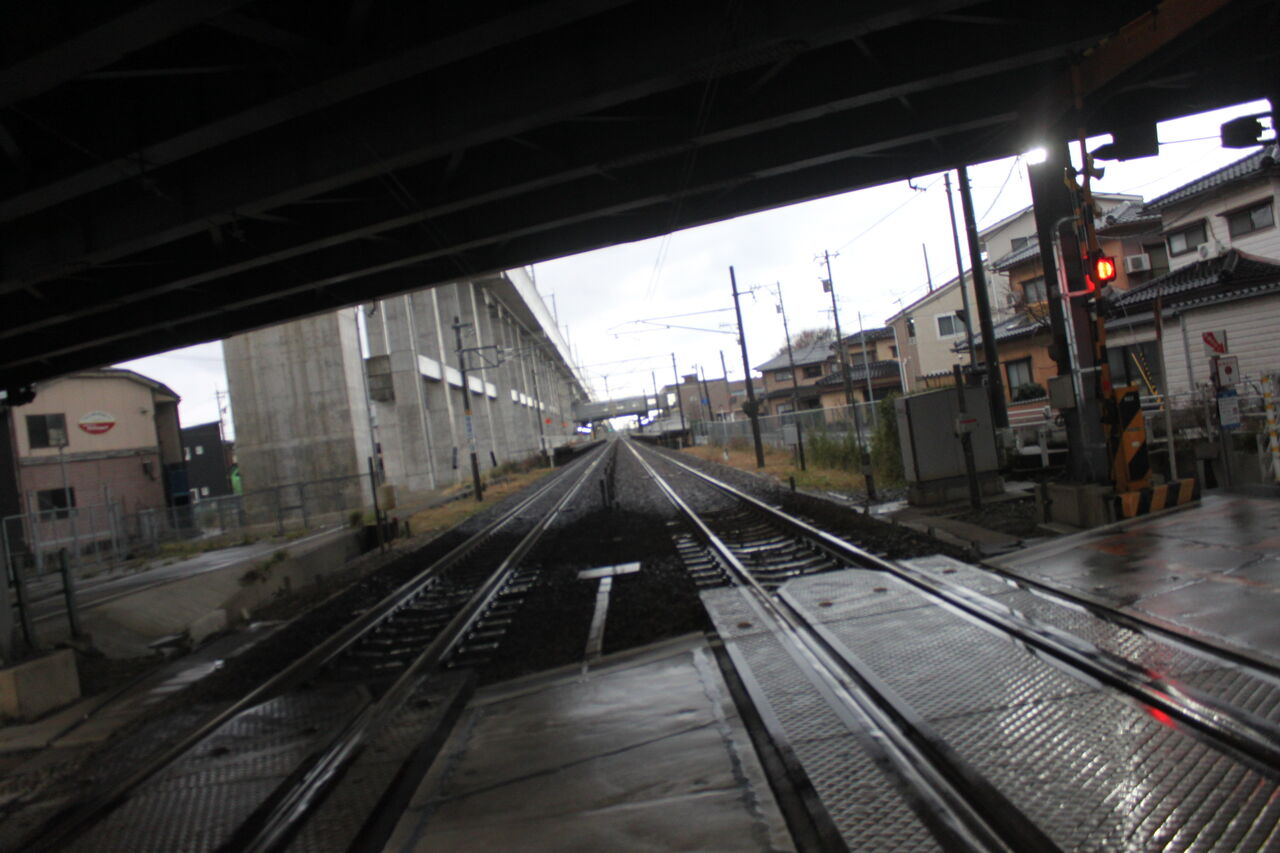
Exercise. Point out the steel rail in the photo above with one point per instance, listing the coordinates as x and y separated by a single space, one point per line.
1240 734
273 830
956 802
66 825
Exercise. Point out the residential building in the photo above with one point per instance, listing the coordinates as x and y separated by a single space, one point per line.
93 448
1222 244
208 463
812 362
874 369
1024 339
929 329
717 399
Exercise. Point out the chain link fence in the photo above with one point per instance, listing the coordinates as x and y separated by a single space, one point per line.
779 430
105 535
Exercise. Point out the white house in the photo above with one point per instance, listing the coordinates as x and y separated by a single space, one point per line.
1224 257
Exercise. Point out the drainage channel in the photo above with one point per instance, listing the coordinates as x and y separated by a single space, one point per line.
1037 718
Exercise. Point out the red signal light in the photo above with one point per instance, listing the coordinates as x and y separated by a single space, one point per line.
1104 269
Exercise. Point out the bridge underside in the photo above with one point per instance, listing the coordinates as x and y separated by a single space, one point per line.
173 172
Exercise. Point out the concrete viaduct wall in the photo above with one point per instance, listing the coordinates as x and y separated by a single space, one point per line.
298 394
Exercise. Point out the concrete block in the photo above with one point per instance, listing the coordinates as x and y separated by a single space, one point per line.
1080 505
33 687
207 625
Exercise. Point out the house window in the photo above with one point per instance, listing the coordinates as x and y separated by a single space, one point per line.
1017 243
186 454
949 326
204 491
1159 258
1250 219
47 430
893 351
782 376
911 328
1135 364
56 501
199 450
1019 374
1186 240
1034 290
812 371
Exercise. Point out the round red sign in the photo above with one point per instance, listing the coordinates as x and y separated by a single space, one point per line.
96 423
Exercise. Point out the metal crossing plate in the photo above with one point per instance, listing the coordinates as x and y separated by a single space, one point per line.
1091 767
197 802
862 801
1227 683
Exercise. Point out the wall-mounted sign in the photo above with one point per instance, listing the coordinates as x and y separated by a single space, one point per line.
1215 343
1228 371
96 423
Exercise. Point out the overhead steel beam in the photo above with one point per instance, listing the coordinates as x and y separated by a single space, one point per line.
495 177
445 113
324 93
592 233
104 44
495 226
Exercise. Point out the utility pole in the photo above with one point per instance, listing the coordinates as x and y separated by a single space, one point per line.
679 396
964 293
995 386
843 356
724 371
706 396
928 276
466 408
866 370
657 403
795 389
752 412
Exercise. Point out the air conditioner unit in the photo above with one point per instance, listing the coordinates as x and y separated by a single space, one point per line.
1137 263
1205 251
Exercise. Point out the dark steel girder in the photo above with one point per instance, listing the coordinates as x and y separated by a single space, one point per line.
207 320
105 43
460 106
337 270
497 173
616 133
321 94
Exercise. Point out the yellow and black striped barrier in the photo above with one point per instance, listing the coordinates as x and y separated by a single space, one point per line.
1155 498
1131 465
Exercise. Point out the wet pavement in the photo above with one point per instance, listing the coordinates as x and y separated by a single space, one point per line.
639 753
1211 570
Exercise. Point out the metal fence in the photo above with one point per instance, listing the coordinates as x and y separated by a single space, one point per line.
103 535
834 422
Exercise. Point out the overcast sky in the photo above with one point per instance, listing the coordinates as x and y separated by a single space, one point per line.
599 296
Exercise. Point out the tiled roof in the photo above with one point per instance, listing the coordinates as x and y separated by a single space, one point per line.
880 334
858 372
1208 280
1128 213
1017 256
812 354
1263 158
1020 325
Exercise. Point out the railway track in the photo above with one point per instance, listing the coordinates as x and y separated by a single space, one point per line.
933 705
323 754
896 705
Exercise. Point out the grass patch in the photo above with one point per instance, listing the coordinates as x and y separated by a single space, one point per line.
453 513
780 465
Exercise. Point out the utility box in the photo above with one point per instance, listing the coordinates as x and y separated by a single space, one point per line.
932 456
